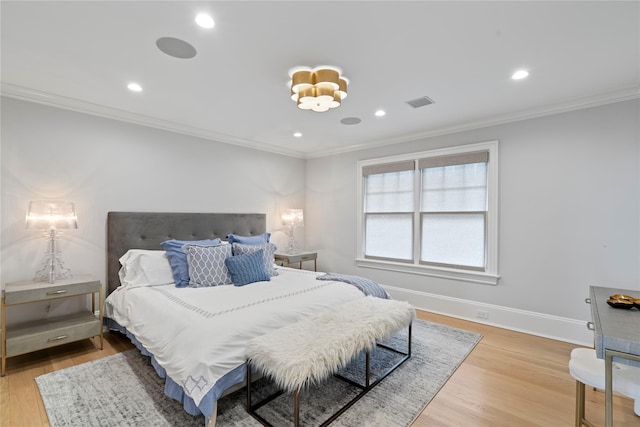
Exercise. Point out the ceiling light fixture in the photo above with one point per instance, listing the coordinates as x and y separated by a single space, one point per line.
297 134
134 87
520 74
380 113
318 89
204 20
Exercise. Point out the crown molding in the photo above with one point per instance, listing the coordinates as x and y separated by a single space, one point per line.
571 105
32 95
52 100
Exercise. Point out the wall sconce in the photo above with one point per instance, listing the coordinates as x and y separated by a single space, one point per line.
51 216
292 219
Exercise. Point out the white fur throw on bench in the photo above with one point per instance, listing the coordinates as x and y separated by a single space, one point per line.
309 351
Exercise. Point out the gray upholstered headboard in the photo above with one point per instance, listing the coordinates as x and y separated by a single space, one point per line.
146 230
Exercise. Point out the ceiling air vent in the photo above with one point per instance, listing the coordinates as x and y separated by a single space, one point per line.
420 102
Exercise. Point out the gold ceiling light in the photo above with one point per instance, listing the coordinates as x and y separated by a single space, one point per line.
318 89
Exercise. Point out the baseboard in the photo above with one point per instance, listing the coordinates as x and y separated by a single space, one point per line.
540 324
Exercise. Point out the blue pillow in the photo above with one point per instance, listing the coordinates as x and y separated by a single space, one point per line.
248 268
268 250
178 258
249 240
206 265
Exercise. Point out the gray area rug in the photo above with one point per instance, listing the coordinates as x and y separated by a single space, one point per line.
124 390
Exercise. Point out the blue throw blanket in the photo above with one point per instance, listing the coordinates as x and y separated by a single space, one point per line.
367 286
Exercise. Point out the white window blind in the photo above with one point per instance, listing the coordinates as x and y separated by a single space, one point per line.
388 210
454 210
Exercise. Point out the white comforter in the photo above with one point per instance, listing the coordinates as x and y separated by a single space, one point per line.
199 334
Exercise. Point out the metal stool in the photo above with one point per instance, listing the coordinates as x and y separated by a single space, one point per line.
587 369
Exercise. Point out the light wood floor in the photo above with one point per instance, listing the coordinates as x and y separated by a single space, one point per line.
510 379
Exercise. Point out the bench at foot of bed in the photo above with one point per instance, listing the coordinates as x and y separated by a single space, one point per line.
309 351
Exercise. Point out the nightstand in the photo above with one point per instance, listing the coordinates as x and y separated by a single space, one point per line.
44 333
299 258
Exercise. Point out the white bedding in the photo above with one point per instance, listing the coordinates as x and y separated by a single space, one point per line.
200 334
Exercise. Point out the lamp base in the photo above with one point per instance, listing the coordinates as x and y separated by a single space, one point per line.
292 246
52 268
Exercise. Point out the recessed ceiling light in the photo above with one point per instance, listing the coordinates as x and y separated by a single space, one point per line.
520 74
380 113
297 134
134 87
204 20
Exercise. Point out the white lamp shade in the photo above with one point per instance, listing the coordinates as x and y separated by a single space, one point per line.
51 214
293 217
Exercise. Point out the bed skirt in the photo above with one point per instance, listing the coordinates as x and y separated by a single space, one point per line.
174 390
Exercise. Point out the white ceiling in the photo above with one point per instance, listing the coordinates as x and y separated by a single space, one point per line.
81 55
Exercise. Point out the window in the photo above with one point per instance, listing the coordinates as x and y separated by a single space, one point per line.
453 210
433 213
389 206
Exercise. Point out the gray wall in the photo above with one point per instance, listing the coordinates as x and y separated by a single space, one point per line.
569 197
569 210
105 165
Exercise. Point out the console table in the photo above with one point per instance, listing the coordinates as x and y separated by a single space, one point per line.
617 335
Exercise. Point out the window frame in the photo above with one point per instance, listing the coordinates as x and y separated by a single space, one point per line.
490 274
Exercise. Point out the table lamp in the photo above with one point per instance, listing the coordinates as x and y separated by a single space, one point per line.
51 216
292 219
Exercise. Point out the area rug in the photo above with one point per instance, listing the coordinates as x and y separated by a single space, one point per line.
124 390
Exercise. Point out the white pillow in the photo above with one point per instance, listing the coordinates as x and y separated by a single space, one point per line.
142 267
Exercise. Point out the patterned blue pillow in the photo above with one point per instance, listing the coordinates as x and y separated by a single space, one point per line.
178 258
249 240
248 268
268 248
207 265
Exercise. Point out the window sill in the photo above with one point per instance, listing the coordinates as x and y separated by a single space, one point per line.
443 273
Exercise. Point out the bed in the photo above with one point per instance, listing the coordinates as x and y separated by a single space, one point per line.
196 337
